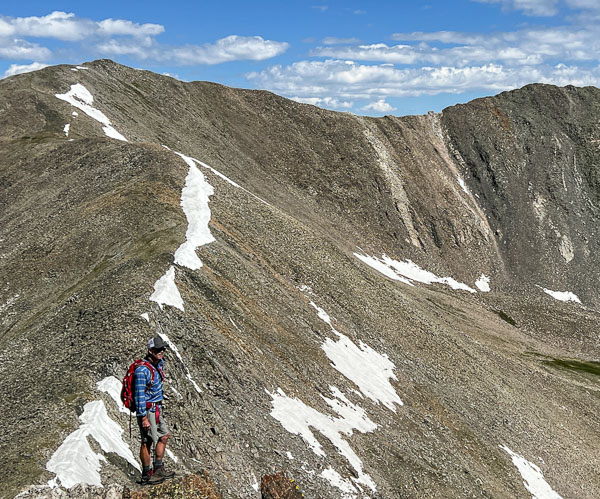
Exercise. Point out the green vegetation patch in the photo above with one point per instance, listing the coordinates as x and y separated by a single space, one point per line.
592 368
505 317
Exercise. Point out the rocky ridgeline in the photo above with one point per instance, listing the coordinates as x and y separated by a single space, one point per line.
390 307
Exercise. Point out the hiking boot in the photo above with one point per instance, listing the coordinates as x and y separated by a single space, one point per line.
163 473
152 479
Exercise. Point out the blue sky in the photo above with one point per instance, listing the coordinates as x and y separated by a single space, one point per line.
372 58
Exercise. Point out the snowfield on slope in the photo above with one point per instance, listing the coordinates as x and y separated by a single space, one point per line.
75 462
81 98
409 271
561 295
533 478
370 372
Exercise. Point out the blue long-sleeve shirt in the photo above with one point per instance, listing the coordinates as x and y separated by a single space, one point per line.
144 393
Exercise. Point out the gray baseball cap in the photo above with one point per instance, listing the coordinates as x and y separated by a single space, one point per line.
157 343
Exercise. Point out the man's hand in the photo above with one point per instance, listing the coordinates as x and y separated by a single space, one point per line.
145 423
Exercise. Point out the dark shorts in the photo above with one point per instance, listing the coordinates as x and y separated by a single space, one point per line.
155 431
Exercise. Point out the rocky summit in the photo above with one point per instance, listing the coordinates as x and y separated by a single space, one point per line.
371 307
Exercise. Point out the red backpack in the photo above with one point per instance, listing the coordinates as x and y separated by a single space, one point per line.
128 390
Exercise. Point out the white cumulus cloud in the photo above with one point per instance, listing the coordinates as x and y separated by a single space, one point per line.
128 47
122 37
230 48
353 81
329 102
529 7
111 27
16 48
381 106
15 69
332 40
67 26
523 47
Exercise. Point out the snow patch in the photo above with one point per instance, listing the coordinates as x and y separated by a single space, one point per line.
194 201
166 292
462 184
483 283
112 133
409 271
562 295
113 386
533 478
66 129
220 175
75 462
321 314
145 316
289 455
175 350
75 113
368 369
227 179
335 479
381 267
81 98
172 456
298 418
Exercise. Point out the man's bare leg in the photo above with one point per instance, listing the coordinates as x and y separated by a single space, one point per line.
145 453
160 447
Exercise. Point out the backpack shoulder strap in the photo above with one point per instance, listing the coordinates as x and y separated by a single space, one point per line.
145 363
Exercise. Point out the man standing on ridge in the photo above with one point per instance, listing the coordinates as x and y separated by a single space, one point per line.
148 383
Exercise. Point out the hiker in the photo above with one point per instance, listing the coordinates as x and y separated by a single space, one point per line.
148 396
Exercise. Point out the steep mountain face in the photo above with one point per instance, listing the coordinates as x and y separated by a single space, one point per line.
305 340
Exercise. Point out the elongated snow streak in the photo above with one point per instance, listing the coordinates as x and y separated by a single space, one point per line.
224 177
408 270
368 369
382 267
462 184
533 478
75 462
66 129
562 295
483 283
335 479
227 179
298 418
113 386
194 201
175 350
173 457
166 292
81 98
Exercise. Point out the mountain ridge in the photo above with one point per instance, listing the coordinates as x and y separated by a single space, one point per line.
89 226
